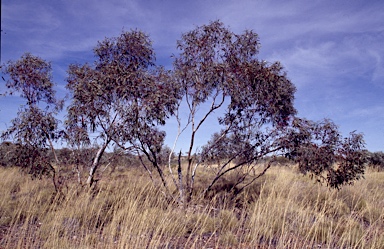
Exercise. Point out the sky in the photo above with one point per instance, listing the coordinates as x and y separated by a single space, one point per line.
332 50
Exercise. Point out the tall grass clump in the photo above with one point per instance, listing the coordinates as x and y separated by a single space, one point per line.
293 212
125 210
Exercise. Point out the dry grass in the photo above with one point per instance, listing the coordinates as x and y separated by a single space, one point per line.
282 210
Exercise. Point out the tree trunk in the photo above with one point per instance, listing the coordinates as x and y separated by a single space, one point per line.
96 162
56 168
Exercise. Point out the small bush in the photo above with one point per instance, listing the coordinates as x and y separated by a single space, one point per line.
376 160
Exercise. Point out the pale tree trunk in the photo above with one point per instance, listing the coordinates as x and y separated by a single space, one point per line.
96 162
179 184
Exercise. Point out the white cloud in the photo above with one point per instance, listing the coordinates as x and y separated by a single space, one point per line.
377 60
376 112
334 60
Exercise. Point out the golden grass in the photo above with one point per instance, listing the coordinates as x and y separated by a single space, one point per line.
282 210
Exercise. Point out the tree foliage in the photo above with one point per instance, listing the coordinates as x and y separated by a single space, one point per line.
35 128
122 98
321 151
7 151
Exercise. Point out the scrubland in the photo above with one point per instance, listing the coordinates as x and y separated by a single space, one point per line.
124 210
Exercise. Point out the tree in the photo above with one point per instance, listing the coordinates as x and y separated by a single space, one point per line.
219 73
121 99
321 151
35 128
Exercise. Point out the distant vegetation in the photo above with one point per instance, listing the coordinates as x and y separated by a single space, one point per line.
376 160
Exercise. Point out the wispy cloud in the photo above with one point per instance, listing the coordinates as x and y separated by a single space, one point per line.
376 112
333 58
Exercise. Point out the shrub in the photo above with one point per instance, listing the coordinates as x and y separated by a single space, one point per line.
376 160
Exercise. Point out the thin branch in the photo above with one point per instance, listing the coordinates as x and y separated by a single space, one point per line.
256 177
194 130
219 175
212 109
153 160
144 165
179 132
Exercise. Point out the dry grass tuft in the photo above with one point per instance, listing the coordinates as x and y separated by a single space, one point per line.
282 210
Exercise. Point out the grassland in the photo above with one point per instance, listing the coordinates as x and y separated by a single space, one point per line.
282 210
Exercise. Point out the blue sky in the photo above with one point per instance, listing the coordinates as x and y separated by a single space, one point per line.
333 51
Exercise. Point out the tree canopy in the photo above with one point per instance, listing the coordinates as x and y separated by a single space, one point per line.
122 98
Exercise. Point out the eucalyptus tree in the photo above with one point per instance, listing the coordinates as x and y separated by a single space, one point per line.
121 99
221 75
35 129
